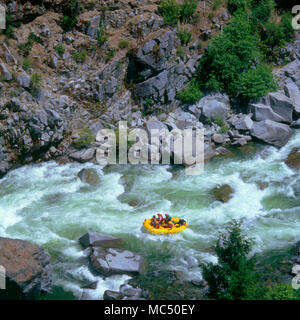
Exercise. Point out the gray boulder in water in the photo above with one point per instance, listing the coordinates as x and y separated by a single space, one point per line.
116 261
94 239
274 133
89 176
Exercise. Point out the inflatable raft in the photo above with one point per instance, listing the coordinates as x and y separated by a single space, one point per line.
176 227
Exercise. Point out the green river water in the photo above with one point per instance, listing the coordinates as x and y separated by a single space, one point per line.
47 204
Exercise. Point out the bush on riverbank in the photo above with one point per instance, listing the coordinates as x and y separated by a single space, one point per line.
235 277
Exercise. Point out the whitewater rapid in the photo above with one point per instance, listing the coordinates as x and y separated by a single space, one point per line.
48 204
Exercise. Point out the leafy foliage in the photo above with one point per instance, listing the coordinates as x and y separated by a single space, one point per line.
185 36
102 37
282 292
60 49
173 12
80 56
70 12
35 83
191 94
123 44
85 137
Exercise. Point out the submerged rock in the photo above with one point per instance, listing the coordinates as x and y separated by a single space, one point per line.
116 261
293 159
223 193
94 239
89 176
28 269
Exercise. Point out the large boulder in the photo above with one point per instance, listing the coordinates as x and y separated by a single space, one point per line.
27 269
277 134
263 112
116 261
94 239
84 155
280 104
182 120
89 176
293 92
214 109
242 122
223 193
293 159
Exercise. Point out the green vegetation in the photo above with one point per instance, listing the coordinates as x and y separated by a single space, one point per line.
216 4
60 49
236 60
35 83
26 47
85 137
80 56
220 121
102 37
185 36
10 26
123 44
173 11
190 95
70 12
235 277
26 64
109 55
180 52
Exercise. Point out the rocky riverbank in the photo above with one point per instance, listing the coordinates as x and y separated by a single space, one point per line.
75 98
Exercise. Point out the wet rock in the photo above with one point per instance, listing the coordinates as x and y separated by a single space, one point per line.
296 269
89 176
277 134
221 151
28 269
94 239
223 193
293 159
112 295
116 261
91 286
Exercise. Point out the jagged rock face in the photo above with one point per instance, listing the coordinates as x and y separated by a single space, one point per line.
28 269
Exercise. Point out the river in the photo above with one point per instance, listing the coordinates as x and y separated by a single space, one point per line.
47 204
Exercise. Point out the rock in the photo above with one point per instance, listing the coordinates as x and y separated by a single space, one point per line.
28 269
298 248
213 107
280 104
24 80
129 291
6 74
218 138
91 286
112 295
223 193
277 134
296 269
263 112
195 110
239 142
292 91
84 155
244 122
209 152
94 239
221 151
116 261
89 176
293 159
155 125
182 120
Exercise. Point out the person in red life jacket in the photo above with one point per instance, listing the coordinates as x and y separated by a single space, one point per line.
160 218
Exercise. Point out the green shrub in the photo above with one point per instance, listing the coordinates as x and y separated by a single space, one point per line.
26 64
262 10
60 49
220 121
255 83
35 83
170 11
187 9
237 5
110 54
185 36
85 137
123 44
216 4
70 12
233 277
286 27
180 52
80 56
190 95
282 292
26 47
102 37
173 12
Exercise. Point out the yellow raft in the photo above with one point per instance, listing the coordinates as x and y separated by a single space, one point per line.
176 228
